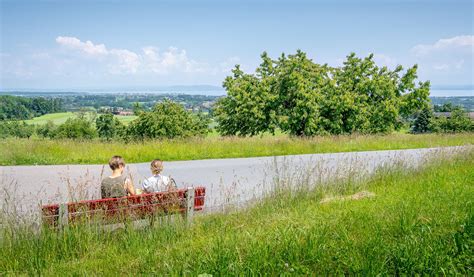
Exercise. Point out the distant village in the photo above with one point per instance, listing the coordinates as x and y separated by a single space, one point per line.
125 104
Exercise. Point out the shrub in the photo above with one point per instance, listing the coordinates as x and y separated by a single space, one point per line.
108 126
4 129
15 129
423 122
458 121
47 130
23 130
167 120
76 128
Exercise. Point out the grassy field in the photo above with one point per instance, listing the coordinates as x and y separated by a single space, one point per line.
38 151
419 222
59 118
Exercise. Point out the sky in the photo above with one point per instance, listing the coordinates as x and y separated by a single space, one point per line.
53 44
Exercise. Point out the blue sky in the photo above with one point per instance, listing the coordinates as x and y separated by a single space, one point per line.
110 44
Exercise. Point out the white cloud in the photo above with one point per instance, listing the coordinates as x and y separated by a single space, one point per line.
172 59
448 56
452 66
86 47
441 66
124 61
385 60
458 43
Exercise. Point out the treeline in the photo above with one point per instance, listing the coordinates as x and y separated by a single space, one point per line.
166 120
456 120
303 98
444 104
112 102
447 107
21 108
171 120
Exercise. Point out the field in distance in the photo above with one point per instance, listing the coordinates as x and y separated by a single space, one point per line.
59 118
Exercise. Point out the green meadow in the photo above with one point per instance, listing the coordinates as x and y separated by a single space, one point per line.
46 151
59 118
417 222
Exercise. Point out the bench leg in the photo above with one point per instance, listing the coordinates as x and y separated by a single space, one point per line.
189 205
63 219
152 220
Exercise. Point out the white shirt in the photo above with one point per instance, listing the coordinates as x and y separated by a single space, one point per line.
156 183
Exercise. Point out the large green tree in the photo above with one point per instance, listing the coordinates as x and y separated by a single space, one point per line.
248 108
303 98
301 86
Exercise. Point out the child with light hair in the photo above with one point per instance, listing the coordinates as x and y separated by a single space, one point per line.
157 182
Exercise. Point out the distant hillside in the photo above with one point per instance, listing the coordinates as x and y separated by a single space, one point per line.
178 89
467 102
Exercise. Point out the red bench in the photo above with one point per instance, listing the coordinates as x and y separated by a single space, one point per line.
110 210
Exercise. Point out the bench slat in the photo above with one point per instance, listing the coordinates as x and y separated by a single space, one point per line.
137 206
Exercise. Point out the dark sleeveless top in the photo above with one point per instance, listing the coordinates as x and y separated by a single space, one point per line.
113 187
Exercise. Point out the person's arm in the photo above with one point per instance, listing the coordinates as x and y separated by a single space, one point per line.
129 187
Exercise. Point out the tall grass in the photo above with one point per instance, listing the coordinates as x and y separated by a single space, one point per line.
37 151
418 222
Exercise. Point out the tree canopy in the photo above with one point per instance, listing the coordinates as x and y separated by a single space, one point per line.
304 98
15 107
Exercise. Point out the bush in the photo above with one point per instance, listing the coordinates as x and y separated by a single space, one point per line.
423 122
108 126
47 130
4 129
23 130
167 120
16 129
458 121
76 128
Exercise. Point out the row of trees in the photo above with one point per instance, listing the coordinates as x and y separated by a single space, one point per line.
304 98
446 107
166 120
170 120
457 121
21 108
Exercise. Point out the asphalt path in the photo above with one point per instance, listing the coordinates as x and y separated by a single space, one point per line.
229 182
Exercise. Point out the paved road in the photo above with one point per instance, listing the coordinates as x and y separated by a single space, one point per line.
228 181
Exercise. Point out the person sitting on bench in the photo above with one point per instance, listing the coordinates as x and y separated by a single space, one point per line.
116 185
157 182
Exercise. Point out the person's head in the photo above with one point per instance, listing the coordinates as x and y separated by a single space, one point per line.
117 163
156 166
